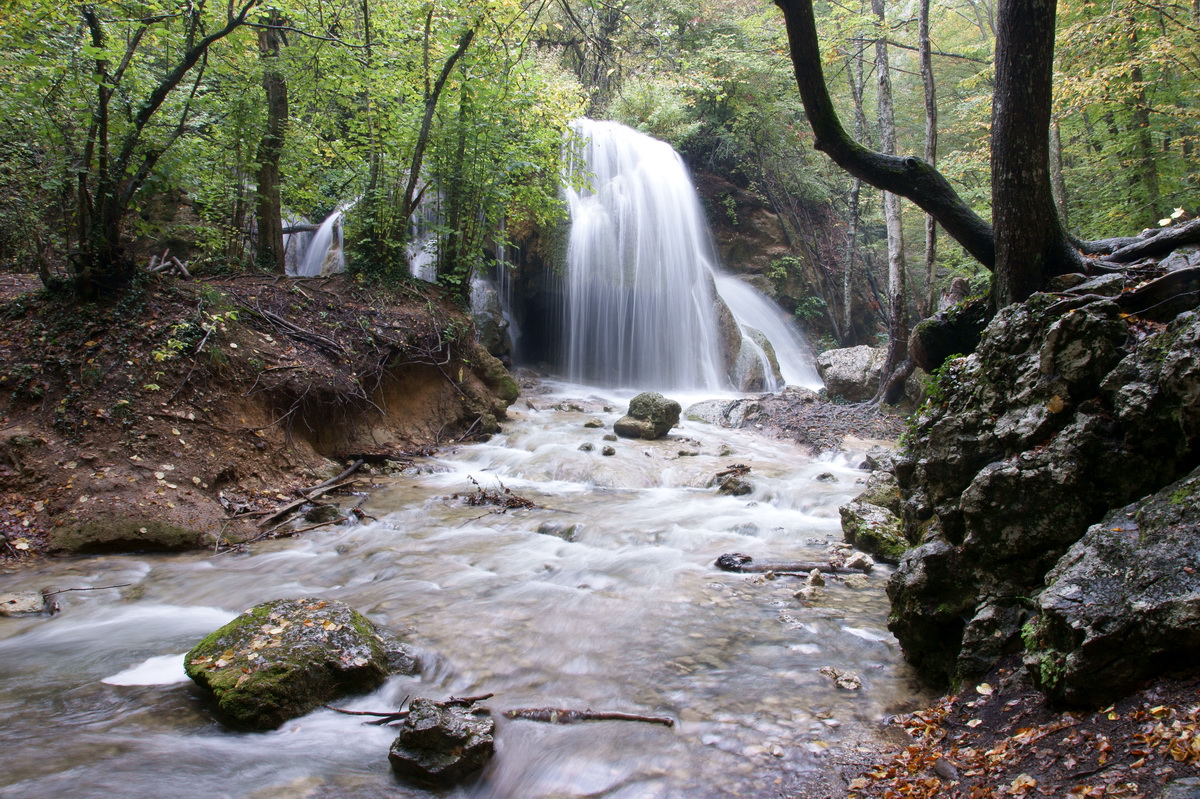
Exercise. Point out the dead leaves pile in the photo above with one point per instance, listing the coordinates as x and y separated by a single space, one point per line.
987 744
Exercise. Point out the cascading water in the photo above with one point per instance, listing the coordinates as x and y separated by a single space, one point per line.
324 252
639 300
604 595
791 350
641 305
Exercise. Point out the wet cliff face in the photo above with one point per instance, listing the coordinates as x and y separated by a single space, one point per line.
1055 420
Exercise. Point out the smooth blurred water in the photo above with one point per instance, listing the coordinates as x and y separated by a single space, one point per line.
631 615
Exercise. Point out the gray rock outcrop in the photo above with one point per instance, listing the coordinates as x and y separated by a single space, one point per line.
1123 600
852 373
284 658
651 415
1057 418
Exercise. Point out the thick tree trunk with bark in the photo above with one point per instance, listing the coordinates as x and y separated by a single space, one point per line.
1031 244
270 148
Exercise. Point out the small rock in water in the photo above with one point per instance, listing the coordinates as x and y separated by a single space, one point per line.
610 437
587 446
564 531
809 593
22 603
608 451
826 477
441 744
593 423
860 560
688 453
735 486
856 581
843 679
815 578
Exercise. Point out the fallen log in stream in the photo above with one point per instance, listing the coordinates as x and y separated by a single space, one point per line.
744 564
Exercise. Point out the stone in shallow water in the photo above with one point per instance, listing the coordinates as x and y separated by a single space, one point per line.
441 744
284 658
22 603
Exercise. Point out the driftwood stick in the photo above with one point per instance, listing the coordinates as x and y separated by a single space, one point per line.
313 494
743 564
96 588
737 469
354 468
553 715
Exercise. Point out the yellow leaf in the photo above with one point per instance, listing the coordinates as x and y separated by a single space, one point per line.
1056 404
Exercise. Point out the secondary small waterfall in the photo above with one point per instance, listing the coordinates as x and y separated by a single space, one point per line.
643 294
323 254
639 298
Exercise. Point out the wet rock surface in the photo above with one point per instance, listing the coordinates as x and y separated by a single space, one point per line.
441 744
284 658
1057 418
1123 600
651 415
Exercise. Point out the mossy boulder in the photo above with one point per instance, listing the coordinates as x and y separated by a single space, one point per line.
284 658
108 534
651 415
874 530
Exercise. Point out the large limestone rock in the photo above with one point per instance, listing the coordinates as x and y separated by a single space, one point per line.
284 658
852 373
441 744
651 415
1022 446
129 534
1123 600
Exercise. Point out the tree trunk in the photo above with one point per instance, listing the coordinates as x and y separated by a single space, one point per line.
897 283
270 148
1057 184
931 119
1031 244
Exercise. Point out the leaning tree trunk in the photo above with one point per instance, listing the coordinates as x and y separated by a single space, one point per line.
269 212
897 284
1031 244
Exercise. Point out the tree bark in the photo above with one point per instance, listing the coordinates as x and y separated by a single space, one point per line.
909 177
931 120
1031 244
897 278
269 210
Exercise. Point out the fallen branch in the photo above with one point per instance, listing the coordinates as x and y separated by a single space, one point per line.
736 470
314 493
389 717
96 588
354 468
743 564
552 715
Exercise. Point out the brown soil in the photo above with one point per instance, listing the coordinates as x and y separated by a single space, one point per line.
191 404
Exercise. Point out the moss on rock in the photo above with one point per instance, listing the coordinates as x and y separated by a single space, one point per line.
283 658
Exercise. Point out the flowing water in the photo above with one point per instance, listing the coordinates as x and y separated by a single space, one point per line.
628 615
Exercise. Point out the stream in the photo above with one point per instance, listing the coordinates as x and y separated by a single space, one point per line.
628 615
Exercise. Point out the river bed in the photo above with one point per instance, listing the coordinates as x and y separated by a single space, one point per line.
629 614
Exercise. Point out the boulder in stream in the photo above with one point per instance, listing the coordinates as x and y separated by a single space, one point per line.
284 658
441 743
651 415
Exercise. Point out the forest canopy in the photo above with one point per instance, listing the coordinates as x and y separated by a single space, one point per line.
129 127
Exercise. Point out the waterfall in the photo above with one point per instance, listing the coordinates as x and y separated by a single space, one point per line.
643 295
324 252
750 307
639 302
